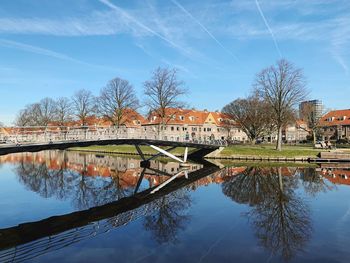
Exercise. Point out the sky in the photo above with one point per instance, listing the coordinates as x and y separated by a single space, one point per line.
52 48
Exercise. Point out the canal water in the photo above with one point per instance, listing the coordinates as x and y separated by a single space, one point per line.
59 206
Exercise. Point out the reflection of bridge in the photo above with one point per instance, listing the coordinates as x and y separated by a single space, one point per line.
30 240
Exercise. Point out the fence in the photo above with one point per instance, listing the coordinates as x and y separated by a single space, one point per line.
50 134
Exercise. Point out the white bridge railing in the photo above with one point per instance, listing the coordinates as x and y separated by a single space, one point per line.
50 134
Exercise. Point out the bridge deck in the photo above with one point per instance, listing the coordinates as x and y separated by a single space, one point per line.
203 149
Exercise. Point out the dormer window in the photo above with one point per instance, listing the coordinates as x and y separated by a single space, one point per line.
191 118
154 118
220 119
182 118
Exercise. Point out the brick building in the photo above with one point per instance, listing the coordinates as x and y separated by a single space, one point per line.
335 125
186 124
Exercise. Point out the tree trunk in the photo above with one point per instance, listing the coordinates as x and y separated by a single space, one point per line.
279 139
280 179
314 136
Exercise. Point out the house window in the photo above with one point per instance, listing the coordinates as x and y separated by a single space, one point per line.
204 129
172 128
177 128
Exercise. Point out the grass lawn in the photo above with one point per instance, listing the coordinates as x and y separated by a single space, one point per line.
125 149
268 150
263 150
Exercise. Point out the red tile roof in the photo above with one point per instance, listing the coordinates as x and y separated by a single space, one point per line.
335 118
189 117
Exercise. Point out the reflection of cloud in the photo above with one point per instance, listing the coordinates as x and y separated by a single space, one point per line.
342 232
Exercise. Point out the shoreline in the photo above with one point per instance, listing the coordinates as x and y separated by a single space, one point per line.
301 159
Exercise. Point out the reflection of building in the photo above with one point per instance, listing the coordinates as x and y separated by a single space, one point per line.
336 125
127 169
336 175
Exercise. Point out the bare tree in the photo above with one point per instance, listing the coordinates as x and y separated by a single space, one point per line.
37 114
83 105
283 87
252 114
23 118
115 99
164 91
64 111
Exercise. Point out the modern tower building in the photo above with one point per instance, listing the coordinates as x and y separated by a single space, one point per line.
315 106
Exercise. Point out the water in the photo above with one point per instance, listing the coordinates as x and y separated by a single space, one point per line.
61 206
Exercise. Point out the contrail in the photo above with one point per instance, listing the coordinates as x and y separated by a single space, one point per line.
268 28
204 28
141 25
46 52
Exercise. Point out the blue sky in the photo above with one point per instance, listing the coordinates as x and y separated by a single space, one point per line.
54 47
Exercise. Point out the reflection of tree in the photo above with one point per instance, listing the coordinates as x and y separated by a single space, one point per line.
169 217
313 182
38 178
84 191
280 218
249 187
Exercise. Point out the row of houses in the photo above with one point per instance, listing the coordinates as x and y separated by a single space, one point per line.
191 124
177 125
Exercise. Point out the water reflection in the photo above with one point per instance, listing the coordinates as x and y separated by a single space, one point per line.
108 192
314 182
170 217
86 180
279 216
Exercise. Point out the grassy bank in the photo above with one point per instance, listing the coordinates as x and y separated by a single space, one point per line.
269 151
123 149
235 150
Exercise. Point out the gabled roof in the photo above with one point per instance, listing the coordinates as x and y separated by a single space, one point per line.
189 117
335 118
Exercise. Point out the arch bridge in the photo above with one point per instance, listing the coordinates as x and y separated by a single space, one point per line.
38 138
